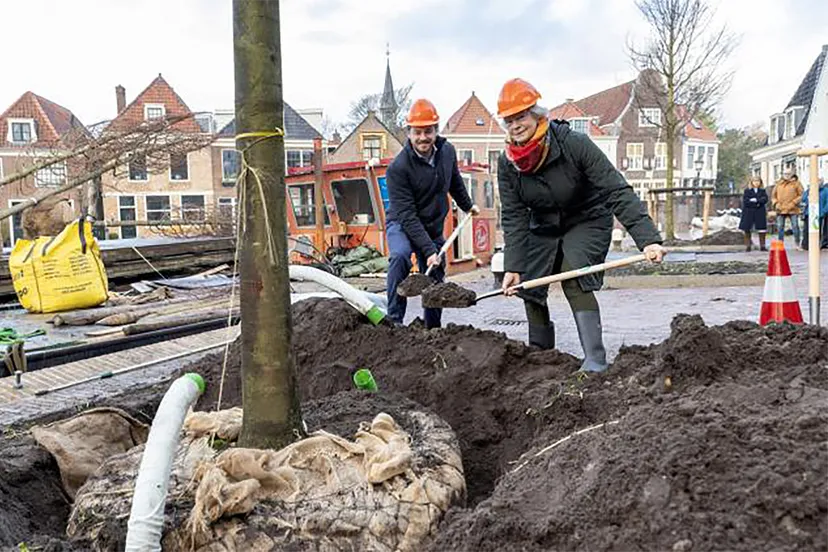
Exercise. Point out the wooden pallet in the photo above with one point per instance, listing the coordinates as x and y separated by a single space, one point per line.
82 369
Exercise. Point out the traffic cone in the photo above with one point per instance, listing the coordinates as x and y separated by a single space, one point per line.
779 302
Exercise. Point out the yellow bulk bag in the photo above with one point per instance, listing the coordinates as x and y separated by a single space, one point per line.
60 273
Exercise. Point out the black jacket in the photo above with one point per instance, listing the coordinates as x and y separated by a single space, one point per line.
573 196
754 213
417 193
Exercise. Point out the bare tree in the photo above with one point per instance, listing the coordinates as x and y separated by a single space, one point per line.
682 71
370 102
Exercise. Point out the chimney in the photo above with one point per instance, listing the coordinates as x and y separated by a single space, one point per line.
570 100
120 97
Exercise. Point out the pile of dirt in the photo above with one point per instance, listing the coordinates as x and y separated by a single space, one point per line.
722 237
691 268
711 439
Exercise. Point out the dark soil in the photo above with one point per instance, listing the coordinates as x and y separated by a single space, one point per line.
720 440
448 295
722 237
691 268
414 285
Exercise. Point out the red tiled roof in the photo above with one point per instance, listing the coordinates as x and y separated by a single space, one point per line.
53 121
701 133
473 118
569 111
158 92
608 104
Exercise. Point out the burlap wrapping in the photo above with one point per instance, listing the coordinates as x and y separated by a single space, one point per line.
82 443
384 490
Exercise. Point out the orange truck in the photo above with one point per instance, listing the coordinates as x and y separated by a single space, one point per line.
355 201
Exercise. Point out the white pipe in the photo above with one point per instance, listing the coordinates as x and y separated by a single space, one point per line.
379 300
146 518
355 297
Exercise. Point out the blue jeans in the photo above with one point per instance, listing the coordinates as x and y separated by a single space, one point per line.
780 221
399 267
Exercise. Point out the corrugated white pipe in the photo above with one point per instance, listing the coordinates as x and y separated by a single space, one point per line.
379 300
146 518
355 297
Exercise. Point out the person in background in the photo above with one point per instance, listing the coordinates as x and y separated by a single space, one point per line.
559 193
823 216
786 198
754 213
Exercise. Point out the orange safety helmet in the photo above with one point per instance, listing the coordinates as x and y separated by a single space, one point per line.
422 114
516 95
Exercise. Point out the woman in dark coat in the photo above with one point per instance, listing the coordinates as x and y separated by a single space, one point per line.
754 213
559 193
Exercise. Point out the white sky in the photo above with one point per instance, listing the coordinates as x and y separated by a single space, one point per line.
74 52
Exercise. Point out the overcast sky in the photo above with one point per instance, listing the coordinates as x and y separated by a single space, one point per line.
74 52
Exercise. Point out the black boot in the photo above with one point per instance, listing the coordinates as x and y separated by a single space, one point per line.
748 242
592 340
762 241
542 336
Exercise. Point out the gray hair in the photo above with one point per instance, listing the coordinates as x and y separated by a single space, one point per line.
538 111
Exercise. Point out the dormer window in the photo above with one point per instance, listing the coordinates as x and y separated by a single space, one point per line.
479 122
580 125
21 131
154 111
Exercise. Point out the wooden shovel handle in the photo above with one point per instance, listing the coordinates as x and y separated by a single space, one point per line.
568 275
450 240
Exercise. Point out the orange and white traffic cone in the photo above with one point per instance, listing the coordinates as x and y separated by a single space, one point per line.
779 303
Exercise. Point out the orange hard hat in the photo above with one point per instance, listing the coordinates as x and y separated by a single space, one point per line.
516 95
422 114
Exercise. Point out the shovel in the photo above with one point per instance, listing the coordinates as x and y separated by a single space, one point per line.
450 295
414 284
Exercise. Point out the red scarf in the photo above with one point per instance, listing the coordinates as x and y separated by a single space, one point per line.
531 155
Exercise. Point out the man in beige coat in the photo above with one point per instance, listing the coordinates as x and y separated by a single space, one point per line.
786 198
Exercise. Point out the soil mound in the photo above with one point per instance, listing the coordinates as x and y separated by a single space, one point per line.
722 237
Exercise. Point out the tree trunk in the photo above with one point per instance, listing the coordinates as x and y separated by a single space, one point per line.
271 407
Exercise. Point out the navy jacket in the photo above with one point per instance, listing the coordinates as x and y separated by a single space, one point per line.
417 193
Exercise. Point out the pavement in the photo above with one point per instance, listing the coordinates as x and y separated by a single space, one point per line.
638 316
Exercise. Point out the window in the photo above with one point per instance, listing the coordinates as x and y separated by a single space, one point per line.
21 132
465 156
635 156
660 156
154 111
127 212
710 152
691 153
138 168
353 201
53 175
488 194
774 132
302 199
494 160
15 223
371 147
158 208
473 189
227 208
790 130
230 162
192 207
649 117
299 158
179 167
580 125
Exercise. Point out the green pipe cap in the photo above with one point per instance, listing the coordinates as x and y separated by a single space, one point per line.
375 315
198 380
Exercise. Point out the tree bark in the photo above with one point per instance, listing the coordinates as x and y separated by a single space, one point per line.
272 417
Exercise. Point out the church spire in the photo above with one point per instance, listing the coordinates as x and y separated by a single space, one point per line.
388 103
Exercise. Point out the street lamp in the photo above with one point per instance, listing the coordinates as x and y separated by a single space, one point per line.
699 165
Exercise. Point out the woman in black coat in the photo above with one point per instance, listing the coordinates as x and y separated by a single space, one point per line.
559 193
754 213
